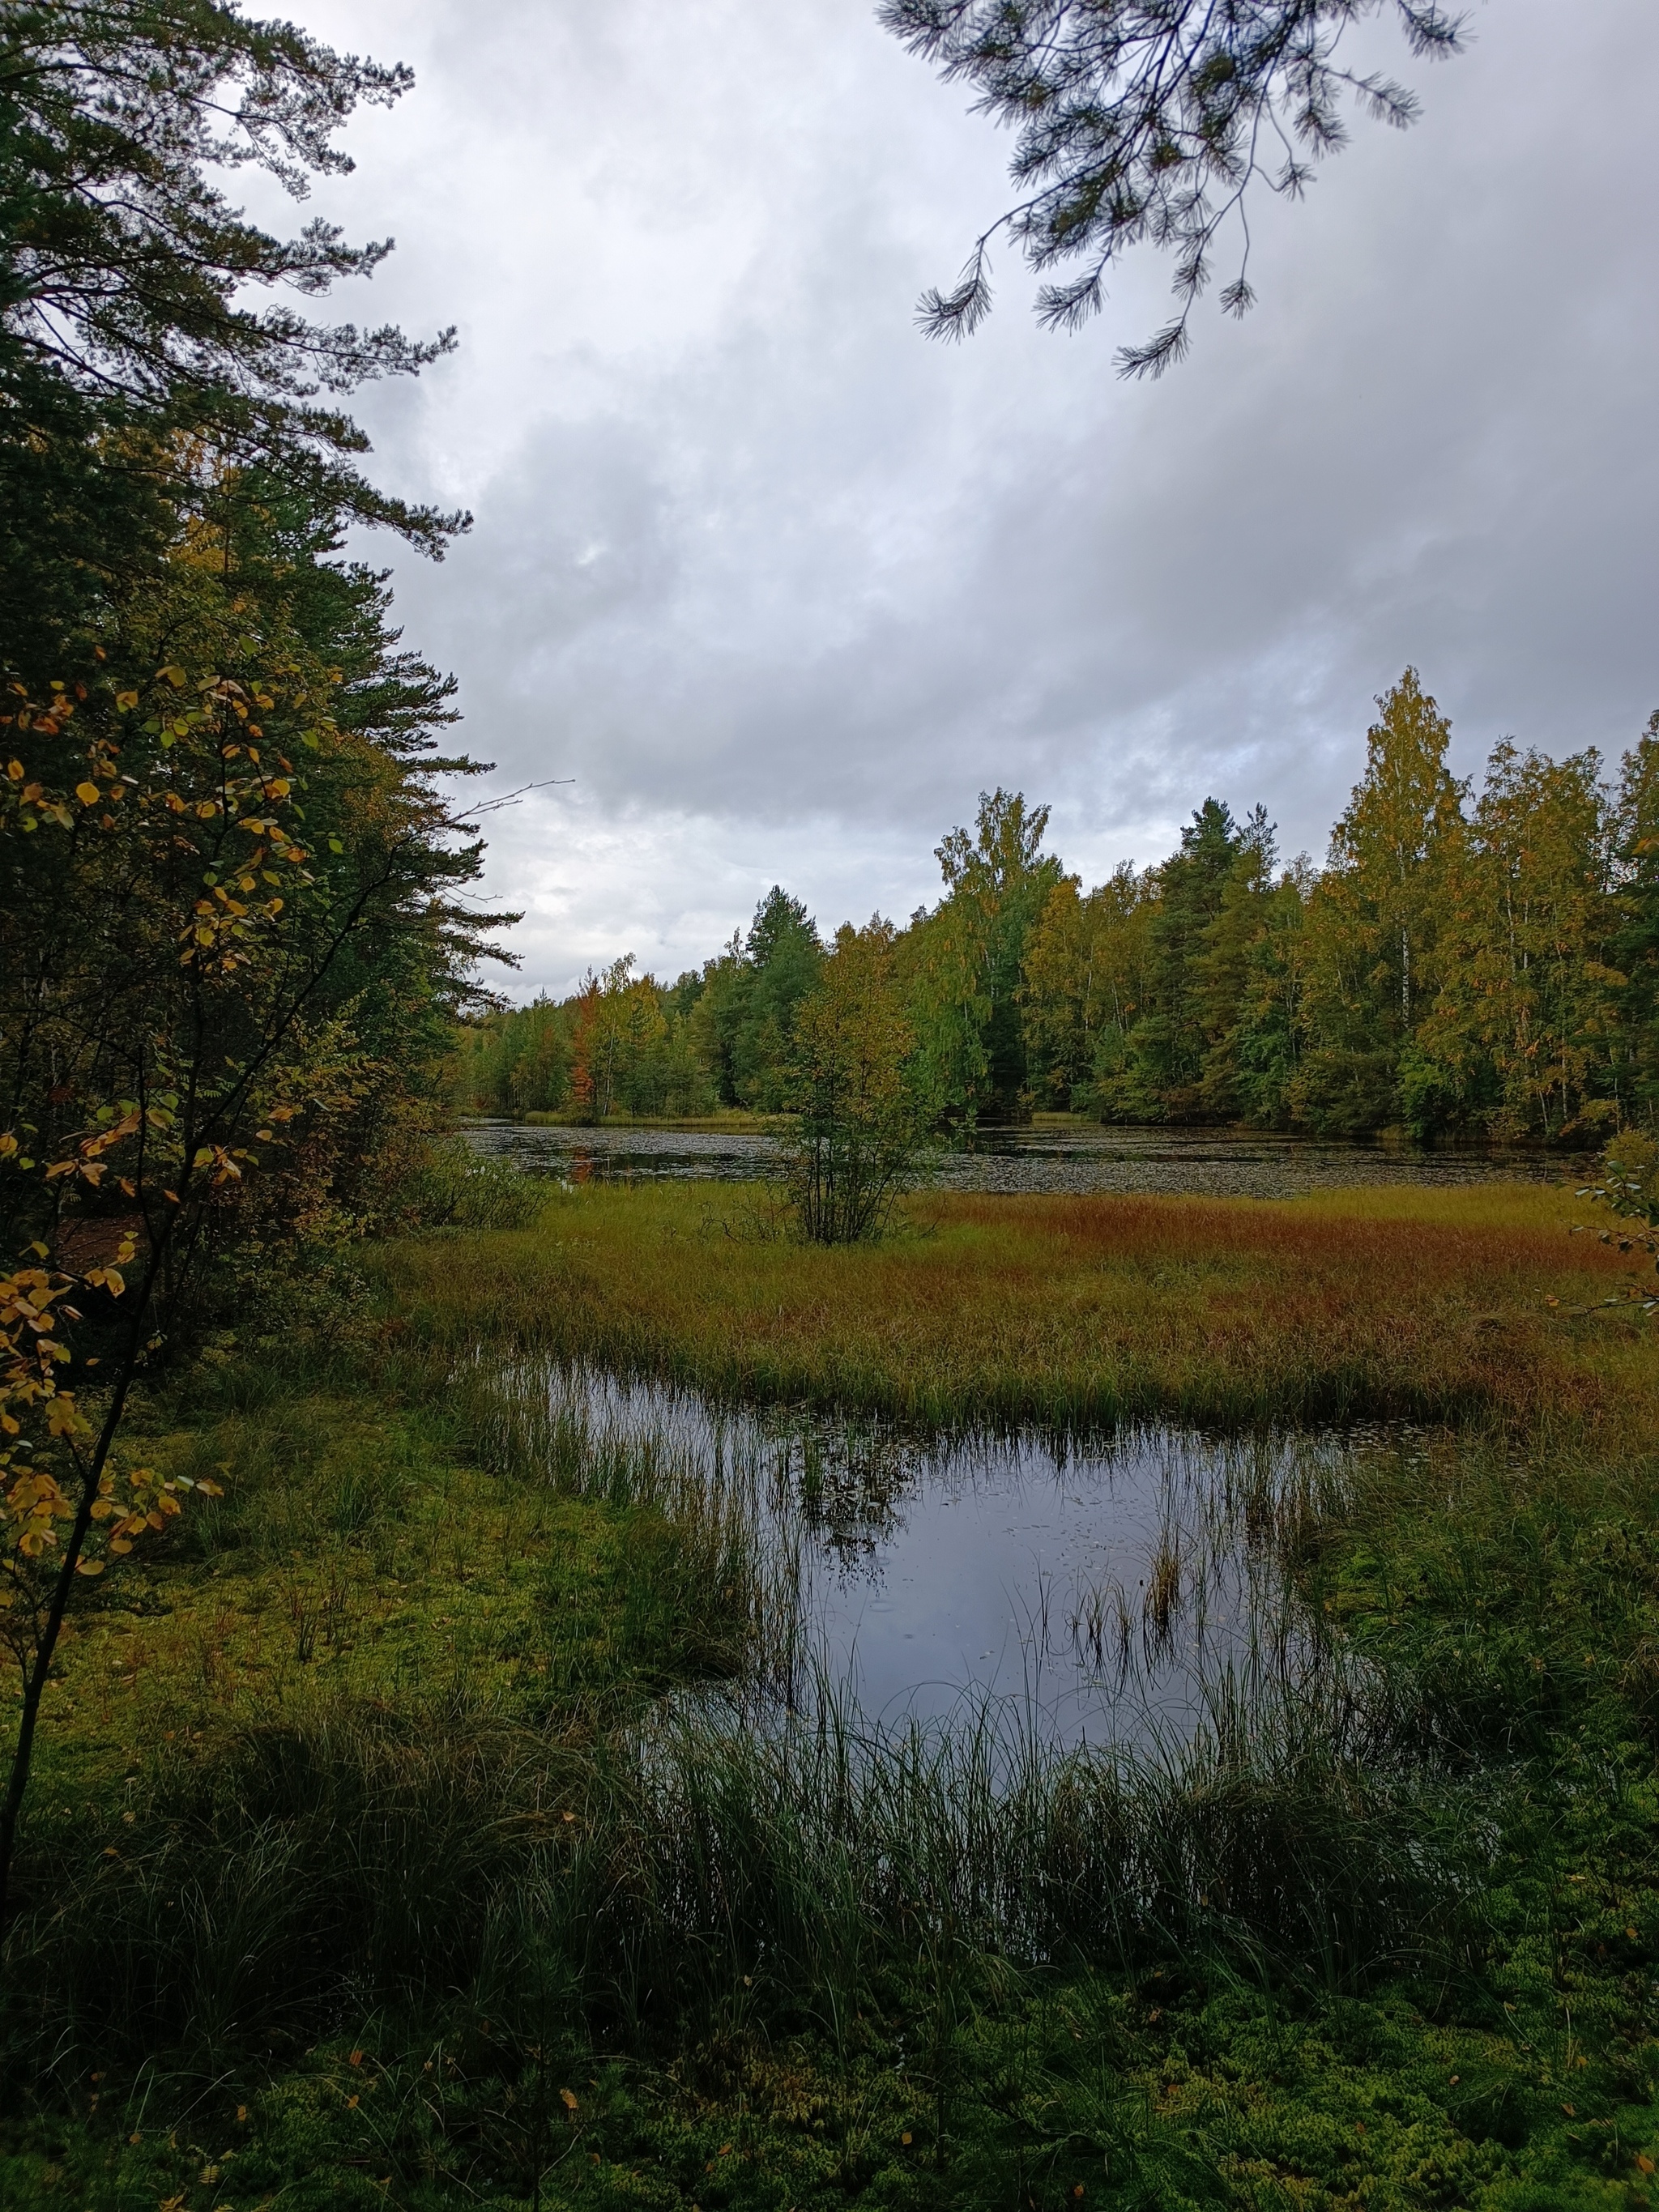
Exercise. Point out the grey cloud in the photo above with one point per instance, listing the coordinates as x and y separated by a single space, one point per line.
771 576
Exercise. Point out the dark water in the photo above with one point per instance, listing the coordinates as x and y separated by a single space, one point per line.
1110 1585
1218 1161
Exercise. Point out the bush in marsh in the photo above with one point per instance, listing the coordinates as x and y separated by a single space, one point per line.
851 1151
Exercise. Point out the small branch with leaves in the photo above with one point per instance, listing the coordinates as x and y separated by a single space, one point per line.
1629 1190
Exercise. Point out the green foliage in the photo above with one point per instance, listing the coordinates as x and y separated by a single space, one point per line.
853 1146
231 955
743 1021
1481 972
1486 970
963 964
1634 943
623 1044
137 361
1629 1189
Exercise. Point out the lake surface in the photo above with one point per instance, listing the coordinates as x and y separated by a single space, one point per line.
1221 1162
1110 1587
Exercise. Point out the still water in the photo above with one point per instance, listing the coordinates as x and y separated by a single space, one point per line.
1222 1163
1108 1585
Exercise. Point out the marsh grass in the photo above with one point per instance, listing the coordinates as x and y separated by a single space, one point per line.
356 1841
1076 1313
688 1872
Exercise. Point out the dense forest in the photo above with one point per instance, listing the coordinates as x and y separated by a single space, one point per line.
232 955
228 923
1476 961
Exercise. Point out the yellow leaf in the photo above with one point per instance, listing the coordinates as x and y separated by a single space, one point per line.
88 1566
570 2097
87 793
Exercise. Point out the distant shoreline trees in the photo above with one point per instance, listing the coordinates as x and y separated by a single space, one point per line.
1483 964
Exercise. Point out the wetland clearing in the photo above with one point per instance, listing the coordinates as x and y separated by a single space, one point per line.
1150 1695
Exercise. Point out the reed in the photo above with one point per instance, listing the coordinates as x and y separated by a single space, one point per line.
350 1856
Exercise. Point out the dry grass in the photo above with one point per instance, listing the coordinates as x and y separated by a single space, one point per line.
1362 1304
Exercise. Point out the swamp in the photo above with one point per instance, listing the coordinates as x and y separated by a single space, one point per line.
1002 1559
1130 1697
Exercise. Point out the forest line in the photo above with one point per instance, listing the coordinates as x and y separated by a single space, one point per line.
1481 963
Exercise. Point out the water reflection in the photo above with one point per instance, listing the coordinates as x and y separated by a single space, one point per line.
1070 1158
1113 1583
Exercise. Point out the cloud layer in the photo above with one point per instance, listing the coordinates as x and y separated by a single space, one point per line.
782 585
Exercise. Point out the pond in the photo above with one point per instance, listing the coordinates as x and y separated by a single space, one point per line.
1107 1589
1072 1157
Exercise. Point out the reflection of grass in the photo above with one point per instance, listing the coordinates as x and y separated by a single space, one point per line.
1361 1304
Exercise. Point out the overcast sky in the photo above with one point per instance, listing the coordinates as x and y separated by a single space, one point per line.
782 585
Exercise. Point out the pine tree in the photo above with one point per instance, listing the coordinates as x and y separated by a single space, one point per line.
1634 948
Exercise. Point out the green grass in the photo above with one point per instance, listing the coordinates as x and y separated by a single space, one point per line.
368 1867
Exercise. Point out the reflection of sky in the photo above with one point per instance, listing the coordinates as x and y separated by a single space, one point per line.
940 1570
986 1564
958 1590
1217 1163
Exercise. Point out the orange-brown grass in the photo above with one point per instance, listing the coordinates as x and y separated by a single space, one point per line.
1360 1304
1348 1306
